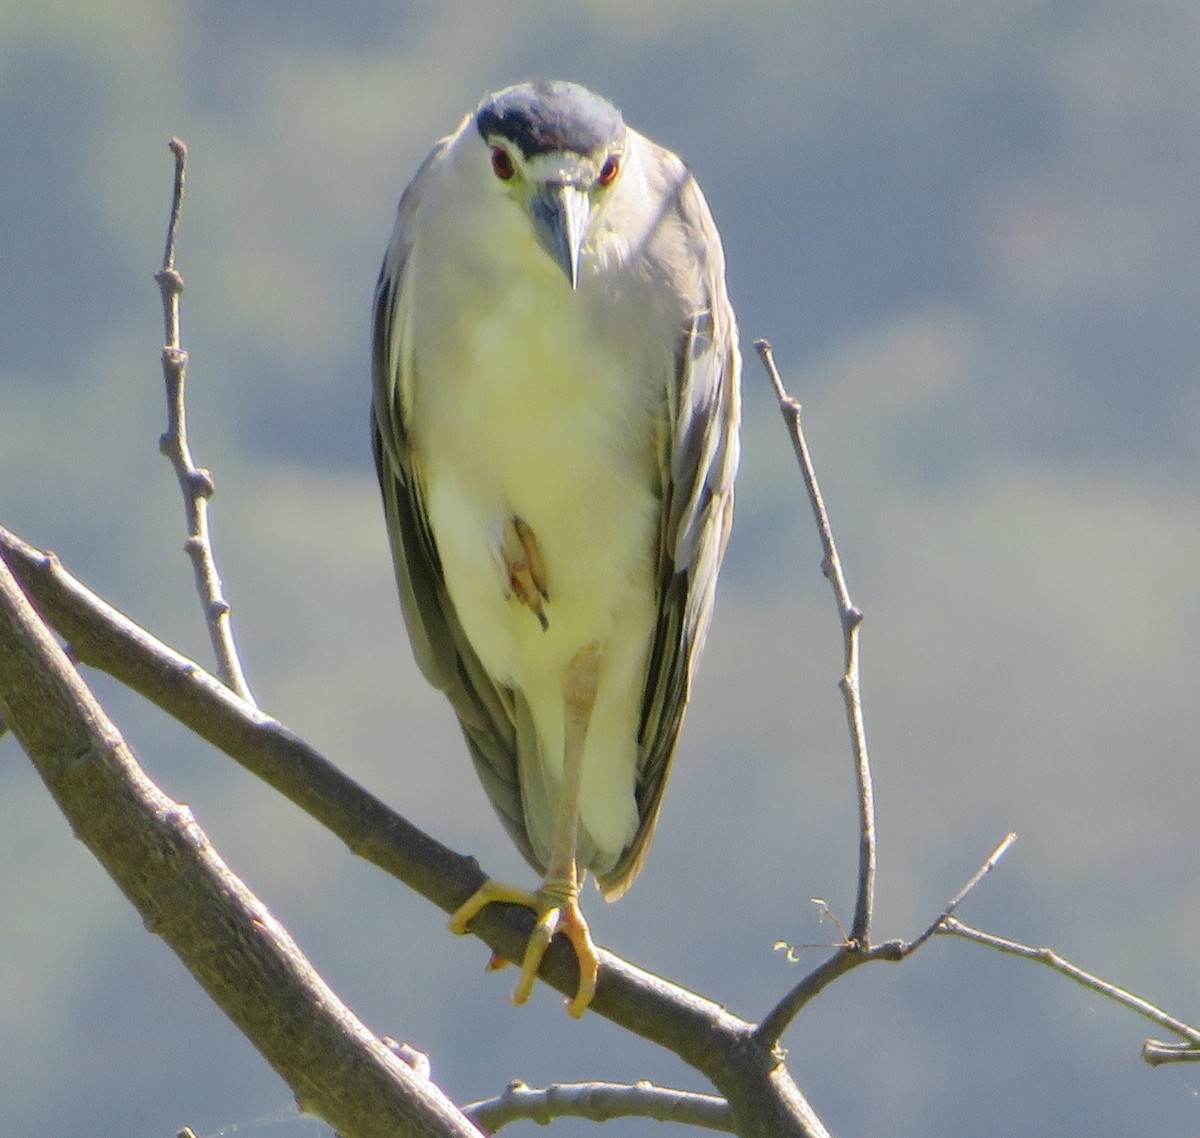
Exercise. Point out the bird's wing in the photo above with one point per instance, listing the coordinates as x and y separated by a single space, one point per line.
493 719
698 460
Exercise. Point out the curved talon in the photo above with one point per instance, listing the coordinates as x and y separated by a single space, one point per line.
576 930
556 913
535 950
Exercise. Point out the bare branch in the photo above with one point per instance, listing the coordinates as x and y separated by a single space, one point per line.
1152 1051
196 484
958 898
744 1068
1156 1053
857 948
849 954
600 1102
153 849
851 618
775 1022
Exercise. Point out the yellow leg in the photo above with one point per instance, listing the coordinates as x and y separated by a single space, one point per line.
556 903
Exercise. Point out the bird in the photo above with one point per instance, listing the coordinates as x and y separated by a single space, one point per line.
555 418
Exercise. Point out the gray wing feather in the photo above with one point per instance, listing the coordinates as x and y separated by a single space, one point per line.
494 719
699 462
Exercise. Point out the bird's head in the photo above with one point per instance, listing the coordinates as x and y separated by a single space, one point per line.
558 150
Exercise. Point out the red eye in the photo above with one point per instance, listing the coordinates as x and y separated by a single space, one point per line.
502 163
609 171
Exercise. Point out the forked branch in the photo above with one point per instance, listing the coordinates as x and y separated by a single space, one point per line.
857 948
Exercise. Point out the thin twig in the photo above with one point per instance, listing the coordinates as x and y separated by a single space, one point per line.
851 618
600 1102
772 1026
195 483
857 948
1152 1050
1156 1053
850 955
958 898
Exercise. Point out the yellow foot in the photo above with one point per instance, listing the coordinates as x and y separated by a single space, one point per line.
556 913
526 570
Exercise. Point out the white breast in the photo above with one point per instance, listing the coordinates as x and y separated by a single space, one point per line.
530 403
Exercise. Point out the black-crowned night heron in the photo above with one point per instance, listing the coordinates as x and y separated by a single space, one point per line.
555 427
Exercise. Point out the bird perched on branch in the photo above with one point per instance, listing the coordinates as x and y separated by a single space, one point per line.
556 410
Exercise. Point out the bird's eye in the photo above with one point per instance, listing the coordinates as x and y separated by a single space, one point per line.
502 163
609 171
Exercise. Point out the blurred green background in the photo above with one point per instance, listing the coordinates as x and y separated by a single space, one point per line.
971 232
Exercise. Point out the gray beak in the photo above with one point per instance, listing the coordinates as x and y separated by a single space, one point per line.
560 214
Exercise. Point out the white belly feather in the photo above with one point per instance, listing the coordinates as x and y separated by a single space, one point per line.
518 414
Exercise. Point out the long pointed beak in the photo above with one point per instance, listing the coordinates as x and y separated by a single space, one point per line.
560 213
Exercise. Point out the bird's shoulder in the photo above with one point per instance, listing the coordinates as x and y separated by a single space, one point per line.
683 234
